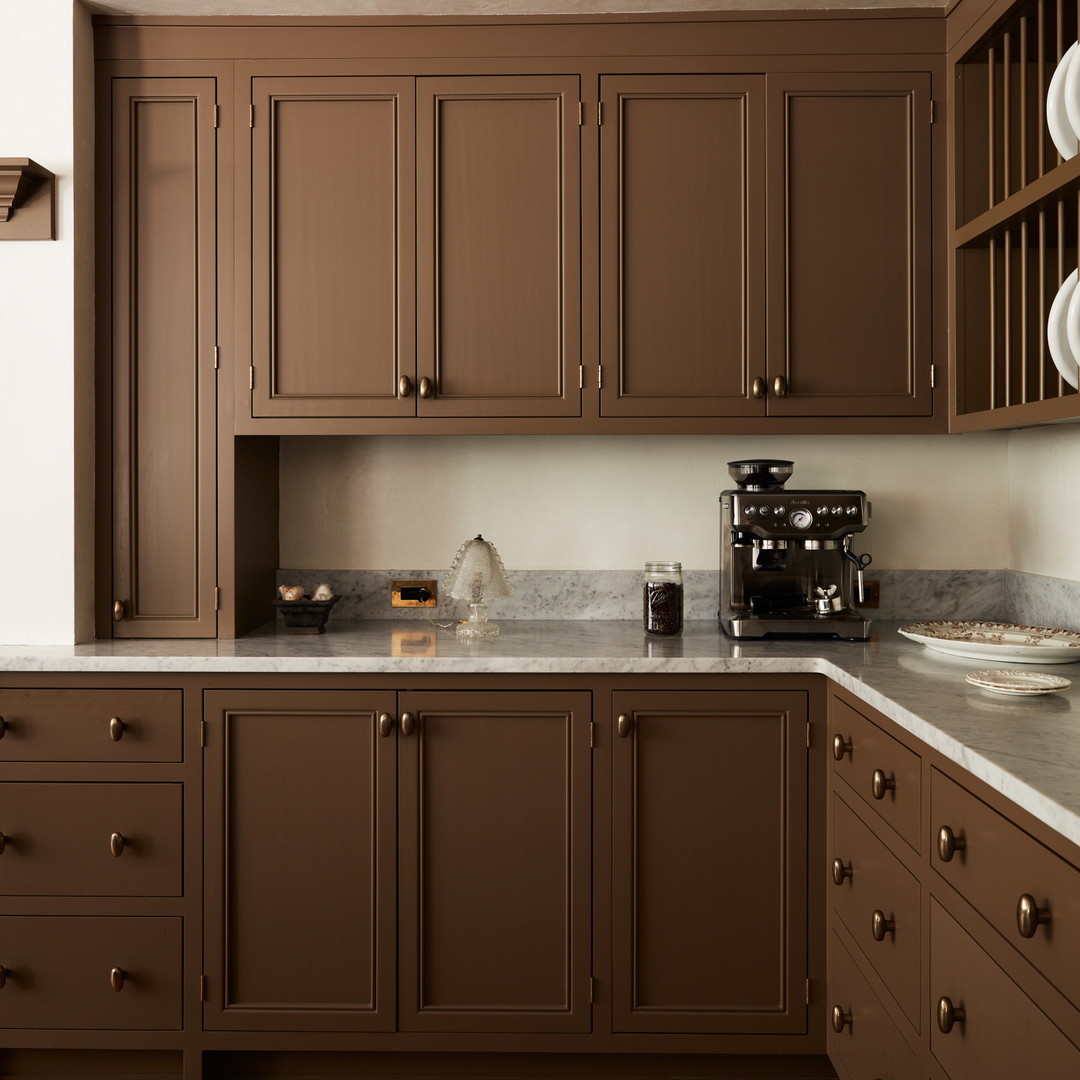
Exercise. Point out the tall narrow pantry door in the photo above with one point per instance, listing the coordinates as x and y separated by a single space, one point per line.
682 245
332 247
850 321
498 246
162 261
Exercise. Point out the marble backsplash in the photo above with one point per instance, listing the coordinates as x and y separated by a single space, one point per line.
616 594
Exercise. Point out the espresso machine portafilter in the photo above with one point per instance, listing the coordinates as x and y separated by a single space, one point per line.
787 567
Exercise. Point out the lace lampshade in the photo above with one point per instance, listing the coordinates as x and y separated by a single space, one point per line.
477 575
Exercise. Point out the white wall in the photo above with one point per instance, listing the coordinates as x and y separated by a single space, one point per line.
613 502
38 357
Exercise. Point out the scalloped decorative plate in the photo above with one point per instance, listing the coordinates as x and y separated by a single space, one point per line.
1017 683
997 641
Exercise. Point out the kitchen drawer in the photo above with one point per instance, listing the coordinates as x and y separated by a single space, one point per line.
884 773
1002 1033
876 888
59 839
58 972
869 1045
997 865
79 725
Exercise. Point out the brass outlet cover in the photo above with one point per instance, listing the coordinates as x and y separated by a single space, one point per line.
404 593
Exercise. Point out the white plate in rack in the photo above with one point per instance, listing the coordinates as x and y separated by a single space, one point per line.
1018 683
997 641
1057 330
1057 113
1068 368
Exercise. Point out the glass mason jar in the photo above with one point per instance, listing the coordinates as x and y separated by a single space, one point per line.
662 599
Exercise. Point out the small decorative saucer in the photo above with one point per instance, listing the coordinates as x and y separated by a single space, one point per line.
1018 683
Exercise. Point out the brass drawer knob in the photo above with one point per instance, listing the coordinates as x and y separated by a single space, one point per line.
116 845
118 611
948 843
757 389
1029 916
116 979
116 728
623 725
840 872
840 1019
948 1014
780 386
880 925
427 387
386 725
880 783
840 748
408 723
404 386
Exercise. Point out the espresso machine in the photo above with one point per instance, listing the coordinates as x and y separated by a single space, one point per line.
787 568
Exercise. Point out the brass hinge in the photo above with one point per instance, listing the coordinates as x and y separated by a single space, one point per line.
217 115
599 113
807 991
807 734
933 376
251 116
932 110
251 376
217 597
599 376
217 357
592 734
202 987
592 990
580 113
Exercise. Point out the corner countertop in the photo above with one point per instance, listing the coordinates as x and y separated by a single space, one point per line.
1027 748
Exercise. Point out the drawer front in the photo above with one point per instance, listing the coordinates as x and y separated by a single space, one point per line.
1002 1032
58 973
997 865
878 890
868 759
91 839
78 725
869 1044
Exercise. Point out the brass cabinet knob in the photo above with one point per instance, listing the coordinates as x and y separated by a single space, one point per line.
840 872
948 1014
404 386
880 783
880 925
116 728
1029 916
779 386
118 611
757 388
116 844
840 1019
948 843
408 723
427 387
840 748
116 979
386 724
623 725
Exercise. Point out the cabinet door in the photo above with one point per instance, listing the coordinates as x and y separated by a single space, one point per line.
498 246
849 325
709 862
494 862
682 232
300 923
161 330
332 246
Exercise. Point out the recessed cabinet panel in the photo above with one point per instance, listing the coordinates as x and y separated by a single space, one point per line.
498 272
709 862
163 331
850 329
332 247
681 210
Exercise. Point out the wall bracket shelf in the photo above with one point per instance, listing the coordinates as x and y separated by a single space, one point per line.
26 200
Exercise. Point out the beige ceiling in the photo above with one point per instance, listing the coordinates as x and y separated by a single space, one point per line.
472 7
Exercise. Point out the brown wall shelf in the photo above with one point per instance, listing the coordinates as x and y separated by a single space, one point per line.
26 200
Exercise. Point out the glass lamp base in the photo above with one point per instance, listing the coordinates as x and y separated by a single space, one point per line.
477 627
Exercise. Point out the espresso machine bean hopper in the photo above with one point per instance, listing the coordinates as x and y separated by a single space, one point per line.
787 568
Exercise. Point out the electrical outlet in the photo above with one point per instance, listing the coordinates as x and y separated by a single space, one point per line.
871 594
417 593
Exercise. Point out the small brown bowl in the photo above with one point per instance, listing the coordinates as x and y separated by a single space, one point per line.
305 616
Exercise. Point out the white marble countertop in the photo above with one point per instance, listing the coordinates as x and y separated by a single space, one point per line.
1028 748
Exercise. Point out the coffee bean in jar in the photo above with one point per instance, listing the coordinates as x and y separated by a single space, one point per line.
662 599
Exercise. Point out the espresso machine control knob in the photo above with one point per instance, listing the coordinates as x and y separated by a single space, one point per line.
780 511
837 510
801 519
822 511
852 511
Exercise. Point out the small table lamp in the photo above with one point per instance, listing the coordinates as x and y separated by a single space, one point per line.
477 575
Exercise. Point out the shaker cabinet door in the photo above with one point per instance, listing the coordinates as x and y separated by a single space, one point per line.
849 235
332 246
682 263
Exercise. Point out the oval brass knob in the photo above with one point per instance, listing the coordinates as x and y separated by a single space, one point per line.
779 386
840 748
840 872
880 783
623 725
116 728
116 979
757 388
386 724
408 723
116 845
948 843
118 611
880 926
404 386
1029 916
427 387
840 1019
948 1014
